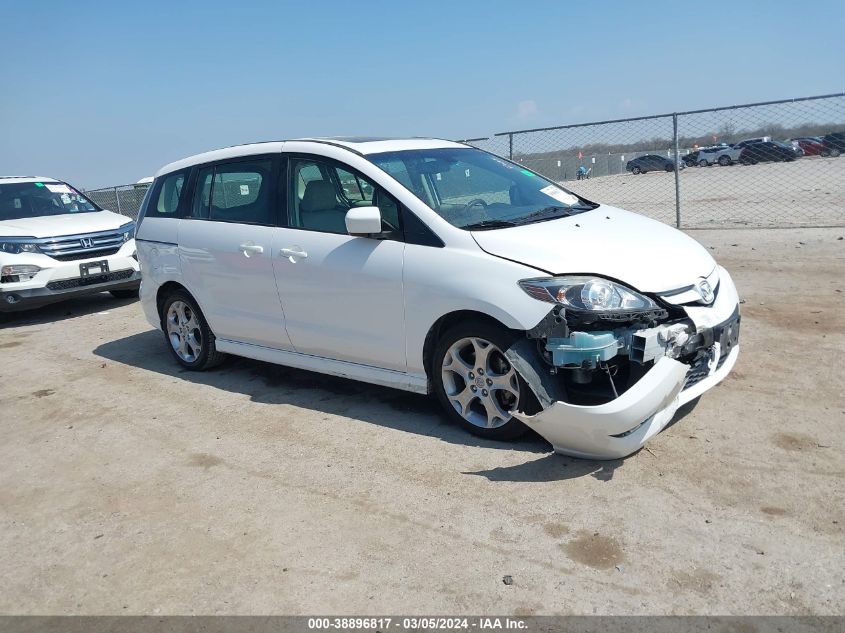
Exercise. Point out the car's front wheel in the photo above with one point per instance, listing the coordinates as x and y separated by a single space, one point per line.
703 163
724 161
188 336
636 170
835 152
476 383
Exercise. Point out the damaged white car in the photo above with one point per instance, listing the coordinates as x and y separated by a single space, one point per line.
436 267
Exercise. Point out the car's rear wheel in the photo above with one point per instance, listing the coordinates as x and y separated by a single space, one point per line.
669 167
187 333
476 383
724 161
126 293
636 170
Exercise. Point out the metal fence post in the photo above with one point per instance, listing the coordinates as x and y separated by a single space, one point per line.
510 146
677 171
117 198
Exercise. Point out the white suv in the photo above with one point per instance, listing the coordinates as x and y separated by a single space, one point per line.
55 243
723 154
436 267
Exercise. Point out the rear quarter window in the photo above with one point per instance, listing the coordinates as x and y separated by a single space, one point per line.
167 195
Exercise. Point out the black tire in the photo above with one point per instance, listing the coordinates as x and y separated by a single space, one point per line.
126 293
208 357
835 152
725 161
636 170
502 339
670 168
703 163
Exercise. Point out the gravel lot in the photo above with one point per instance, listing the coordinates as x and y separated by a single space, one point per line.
807 192
129 486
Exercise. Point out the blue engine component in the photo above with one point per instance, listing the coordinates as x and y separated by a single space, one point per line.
583 349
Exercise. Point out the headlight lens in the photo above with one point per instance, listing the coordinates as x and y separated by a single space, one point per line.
18 247
128 231
587 294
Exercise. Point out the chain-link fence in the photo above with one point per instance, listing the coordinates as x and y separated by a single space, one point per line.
124 199
764 164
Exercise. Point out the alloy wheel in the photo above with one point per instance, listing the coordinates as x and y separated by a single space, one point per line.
183 331
480 383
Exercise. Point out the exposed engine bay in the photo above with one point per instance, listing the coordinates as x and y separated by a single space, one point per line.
594 359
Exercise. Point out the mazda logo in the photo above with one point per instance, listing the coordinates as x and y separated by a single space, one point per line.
705 291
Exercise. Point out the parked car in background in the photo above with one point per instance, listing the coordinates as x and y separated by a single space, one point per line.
722 154
691 159
651 162
749 141
809 145
767 151
833 144
55 243
446 270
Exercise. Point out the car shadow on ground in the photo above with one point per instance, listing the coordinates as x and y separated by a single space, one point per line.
408 412
267 383
67 309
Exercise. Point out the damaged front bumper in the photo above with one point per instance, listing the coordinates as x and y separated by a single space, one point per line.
622 426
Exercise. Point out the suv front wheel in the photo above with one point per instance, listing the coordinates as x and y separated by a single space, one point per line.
188 336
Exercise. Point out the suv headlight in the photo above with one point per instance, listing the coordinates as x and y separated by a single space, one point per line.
15 246
128 231
587 294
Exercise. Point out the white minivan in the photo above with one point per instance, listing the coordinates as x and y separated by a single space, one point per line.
436 267
55 243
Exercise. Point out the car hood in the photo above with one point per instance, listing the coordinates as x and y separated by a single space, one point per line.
65 224
645 254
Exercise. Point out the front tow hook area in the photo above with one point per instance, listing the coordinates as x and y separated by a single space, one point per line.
619 427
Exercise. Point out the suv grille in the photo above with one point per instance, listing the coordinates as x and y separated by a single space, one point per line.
77 282
84 246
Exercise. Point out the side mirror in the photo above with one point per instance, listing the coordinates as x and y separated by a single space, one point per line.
363 221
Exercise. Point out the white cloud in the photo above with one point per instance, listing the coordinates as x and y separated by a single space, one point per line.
526 109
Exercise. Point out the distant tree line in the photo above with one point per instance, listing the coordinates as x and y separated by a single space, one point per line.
726 133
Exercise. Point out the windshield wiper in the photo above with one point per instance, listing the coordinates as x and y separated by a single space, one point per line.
489 224
552 213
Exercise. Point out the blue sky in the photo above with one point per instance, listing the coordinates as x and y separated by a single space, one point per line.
105 93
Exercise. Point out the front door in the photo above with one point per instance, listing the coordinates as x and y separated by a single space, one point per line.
225 250
342 295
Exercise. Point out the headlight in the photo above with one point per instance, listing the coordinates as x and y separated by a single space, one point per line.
128 231
587 294
15 247
15 273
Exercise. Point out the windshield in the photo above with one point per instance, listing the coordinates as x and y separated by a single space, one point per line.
33 199
472 189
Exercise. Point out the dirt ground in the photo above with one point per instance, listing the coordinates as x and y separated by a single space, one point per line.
807 192
130 486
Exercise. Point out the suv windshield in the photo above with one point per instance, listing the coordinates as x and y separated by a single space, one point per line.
472 189
33 199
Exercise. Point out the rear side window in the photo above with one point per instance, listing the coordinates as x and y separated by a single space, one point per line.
168 195
238 192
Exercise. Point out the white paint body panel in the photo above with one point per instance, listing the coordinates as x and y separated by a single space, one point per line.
65 224
344 300
645 254
362 308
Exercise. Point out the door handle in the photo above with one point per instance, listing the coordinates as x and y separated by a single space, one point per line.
251 249
293 253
